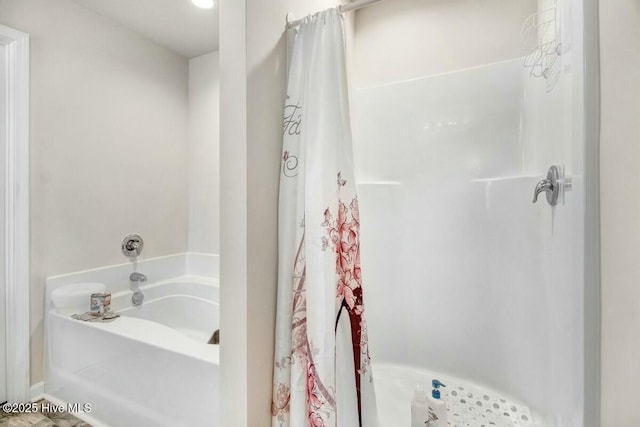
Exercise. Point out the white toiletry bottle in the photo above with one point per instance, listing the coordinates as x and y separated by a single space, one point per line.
419 408
437 416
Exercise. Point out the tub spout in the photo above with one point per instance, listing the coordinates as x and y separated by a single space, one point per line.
137 277
138 297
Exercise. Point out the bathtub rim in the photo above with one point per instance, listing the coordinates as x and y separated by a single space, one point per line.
192 350
189 343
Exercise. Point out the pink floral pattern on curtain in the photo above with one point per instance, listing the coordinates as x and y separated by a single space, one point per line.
343 233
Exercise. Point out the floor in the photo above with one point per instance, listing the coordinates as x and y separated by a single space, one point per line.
43 417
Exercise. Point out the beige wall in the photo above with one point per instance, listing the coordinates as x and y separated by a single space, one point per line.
620 210
402 39
108 135
204 147
233 213
252 73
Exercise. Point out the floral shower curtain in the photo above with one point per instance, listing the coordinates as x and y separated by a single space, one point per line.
322 375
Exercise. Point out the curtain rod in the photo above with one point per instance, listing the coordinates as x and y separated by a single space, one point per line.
342 8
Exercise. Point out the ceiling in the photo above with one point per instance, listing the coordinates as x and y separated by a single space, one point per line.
176 24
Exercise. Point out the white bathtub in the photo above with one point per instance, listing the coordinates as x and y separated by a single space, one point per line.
150 367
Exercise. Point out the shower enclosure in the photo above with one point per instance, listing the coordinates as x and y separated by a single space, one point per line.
467 279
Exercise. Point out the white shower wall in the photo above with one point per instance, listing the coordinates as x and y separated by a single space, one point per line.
438 169
462 272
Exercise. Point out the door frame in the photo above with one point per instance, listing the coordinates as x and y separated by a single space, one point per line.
16 205
592 275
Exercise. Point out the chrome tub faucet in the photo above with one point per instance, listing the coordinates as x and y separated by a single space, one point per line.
138 297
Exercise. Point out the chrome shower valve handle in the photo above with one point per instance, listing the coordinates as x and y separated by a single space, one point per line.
550 185
132 245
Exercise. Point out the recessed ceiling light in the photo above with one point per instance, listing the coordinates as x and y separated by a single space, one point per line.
204 4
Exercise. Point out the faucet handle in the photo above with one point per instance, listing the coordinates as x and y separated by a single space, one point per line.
550 185
543 186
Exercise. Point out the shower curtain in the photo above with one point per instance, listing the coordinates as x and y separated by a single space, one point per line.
322 375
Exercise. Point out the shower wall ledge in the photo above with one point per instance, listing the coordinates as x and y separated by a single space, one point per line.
116 277
379 183
508 178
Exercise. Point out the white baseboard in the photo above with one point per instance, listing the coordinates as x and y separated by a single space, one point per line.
37 391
